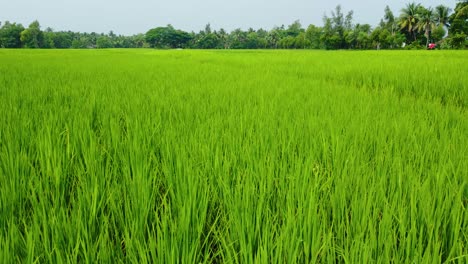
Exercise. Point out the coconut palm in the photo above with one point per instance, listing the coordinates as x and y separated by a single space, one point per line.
427 20
408 18
442 13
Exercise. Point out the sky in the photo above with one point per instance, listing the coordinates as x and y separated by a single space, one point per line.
130 17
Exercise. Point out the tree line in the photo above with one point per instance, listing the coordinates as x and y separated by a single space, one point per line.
413 28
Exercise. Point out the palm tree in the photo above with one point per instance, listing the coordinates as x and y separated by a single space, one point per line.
427 20
408 19
442 13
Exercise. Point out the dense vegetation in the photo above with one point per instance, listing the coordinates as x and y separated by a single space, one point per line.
111 156
414 28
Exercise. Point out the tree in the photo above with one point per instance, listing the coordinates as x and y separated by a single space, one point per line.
462 9
138 41
207 29
358 36
208 41
32 37
252 41
408 19
62 39
389 22
458 41
442 14
294 29
458 31
180 39
398 39
375 37
426 22
104 42
48 42
167 37
262 39
77 44
329 39
351 38
415 25
10 35
223 38
301 42
438 33
335 29
459 19
363 40
286 42
237 39
313 34
274 36
159 37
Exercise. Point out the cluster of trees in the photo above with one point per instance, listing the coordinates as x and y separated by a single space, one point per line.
13 35
415 27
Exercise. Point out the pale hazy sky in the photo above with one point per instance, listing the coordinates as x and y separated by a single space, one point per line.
137 16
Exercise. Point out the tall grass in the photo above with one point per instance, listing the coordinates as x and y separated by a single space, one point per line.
233 157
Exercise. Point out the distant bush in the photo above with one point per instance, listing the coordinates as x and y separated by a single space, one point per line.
414 46
458 41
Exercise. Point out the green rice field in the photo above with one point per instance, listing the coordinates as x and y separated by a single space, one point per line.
178 156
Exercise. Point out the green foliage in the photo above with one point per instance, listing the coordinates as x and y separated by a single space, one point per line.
438 33
49 39
442 15
389 21
142 156
414 46
427 20
10 35
458 41
237 39
167 37
253 41
62 40
78 44
335 27
104 42
158 37
207 41
408 20
32 37
313 36
415 23
294 29
459 19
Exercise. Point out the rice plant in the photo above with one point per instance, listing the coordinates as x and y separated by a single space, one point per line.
142 156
